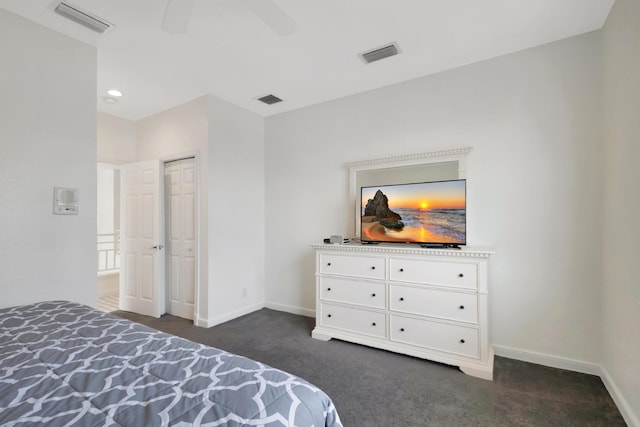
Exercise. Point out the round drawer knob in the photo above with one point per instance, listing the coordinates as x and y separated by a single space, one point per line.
373 295
460 275
401 329
401 270
373 324
328 315
462 307
373 267
401 299
328 263
462 341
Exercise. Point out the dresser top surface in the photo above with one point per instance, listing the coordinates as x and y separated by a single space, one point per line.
406 249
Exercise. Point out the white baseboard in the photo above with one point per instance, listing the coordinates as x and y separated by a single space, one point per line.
225 317
216 320
623 405
500 350
578 366
547 360
107 293
291 309
108 284
200 322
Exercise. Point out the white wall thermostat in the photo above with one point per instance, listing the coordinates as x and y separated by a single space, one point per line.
65 201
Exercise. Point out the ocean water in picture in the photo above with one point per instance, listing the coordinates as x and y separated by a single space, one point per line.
448 224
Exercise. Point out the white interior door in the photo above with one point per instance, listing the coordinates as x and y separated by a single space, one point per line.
142 238
180 228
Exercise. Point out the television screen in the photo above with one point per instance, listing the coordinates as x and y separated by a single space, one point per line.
427 212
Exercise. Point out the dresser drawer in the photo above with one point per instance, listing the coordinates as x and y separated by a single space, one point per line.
438 336
351 265
351 319
370 294
457 274
431 302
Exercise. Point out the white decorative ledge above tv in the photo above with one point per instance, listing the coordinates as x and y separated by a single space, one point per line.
426 303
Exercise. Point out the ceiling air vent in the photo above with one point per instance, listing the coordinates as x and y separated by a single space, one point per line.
269 99
380 53
81 17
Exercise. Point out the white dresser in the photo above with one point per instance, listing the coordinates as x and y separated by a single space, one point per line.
428 303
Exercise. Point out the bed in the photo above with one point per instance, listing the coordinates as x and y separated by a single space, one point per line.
63 363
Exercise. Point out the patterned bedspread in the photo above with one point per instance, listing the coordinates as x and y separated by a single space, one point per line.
67 364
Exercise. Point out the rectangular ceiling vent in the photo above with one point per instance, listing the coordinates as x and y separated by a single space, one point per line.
380 53
83 18
270 99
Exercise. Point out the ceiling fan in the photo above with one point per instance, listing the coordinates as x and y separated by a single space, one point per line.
178 12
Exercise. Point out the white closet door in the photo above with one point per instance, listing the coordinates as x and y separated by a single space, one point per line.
142 238
180 214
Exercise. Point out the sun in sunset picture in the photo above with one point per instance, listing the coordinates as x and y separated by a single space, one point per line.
430 212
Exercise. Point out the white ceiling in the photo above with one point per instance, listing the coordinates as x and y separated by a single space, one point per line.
230 53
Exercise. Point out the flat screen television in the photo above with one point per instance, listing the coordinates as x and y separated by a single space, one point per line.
429 213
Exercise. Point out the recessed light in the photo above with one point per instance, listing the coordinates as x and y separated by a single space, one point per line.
109 99
114 92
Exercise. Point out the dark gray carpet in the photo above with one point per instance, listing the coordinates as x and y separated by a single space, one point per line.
377 388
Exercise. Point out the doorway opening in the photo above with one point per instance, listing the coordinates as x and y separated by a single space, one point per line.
108 236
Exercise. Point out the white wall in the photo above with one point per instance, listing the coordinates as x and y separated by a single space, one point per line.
171 134
229 142
116 139
181 129
47 139
534 120
236 211
106 199
621 284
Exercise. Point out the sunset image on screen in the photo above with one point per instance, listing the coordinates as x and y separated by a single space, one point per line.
433 212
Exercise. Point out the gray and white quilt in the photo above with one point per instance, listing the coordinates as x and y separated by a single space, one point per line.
63 363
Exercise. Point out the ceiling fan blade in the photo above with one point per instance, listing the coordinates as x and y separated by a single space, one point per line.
272 15
176 16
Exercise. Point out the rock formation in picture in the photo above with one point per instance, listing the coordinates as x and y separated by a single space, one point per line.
378 208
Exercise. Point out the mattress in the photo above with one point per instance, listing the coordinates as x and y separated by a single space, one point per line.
63 363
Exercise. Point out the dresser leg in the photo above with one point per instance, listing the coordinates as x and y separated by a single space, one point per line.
320 336
478 373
